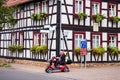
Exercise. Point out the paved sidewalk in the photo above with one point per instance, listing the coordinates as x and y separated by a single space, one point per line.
100 73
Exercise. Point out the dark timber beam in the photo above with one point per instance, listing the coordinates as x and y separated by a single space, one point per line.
58 27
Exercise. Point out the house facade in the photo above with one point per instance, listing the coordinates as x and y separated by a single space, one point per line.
61 28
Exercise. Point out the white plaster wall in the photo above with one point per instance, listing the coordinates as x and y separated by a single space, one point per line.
54 19
53 44
87 23
104 44
87 3
88 35
118 6
69 2
104 36
104 5
87 11
104 22
64 19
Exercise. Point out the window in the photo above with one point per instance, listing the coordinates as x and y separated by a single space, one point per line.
37 7
112 40
77 38
96 40
78 6
21 38
112 9
95 7
39 38
43 39
44 7
22 12
14 38
36 38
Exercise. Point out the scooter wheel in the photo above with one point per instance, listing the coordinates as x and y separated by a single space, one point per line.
49 70
66 69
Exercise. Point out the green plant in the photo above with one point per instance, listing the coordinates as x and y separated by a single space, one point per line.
33 48
19 48
98 17
114 19
39 16
82 15
34 16
43 48
12 21
38 49
112 50
12 48
98 50
77 50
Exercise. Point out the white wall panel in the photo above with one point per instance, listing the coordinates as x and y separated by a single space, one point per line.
64 19
104 36
87 21
104 5
104 23
87 3
88 35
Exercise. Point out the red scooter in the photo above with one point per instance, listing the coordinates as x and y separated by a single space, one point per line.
51 69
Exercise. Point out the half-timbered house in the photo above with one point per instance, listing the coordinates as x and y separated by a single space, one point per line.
64 24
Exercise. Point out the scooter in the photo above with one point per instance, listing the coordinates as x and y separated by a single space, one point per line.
62 68
50 68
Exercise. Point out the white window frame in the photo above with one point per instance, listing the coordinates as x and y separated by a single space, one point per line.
43 38
77 39
44 6
112 10
95 41
95 7
21 40
112 41
36 39
14 38
78 6
37 7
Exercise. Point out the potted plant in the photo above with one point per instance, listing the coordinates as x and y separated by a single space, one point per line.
19 48
81 16
97 17
97 52
114 19
12 48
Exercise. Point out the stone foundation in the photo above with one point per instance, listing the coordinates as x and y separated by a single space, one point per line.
44 64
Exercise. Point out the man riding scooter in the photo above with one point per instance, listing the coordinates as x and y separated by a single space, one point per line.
59 64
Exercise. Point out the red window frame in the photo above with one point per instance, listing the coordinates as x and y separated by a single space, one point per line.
115 3
98 1
74 7
21 33
100 34
84 36
116 38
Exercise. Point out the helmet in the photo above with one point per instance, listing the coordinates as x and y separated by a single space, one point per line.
62 53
